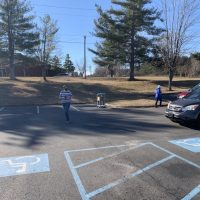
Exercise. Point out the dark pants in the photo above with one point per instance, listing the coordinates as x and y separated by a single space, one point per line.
66 107
158 99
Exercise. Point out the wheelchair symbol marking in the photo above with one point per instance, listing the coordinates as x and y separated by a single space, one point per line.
21 165
24 165
191 144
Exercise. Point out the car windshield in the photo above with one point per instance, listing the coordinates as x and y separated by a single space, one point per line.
195 94
195 87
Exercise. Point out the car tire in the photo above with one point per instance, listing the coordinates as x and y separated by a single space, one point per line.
198 122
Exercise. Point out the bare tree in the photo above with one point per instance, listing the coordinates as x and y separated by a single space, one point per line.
179 17
80 67
47 45
195 67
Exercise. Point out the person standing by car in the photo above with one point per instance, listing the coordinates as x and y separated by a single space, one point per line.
65 98
158 96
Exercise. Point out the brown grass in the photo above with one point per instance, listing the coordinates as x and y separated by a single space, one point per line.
119 91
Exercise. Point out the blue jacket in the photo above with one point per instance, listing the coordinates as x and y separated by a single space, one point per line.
158 93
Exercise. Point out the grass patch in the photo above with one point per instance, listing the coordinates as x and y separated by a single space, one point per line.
119 91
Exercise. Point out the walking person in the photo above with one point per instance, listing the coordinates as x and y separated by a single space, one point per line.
65 98
158 96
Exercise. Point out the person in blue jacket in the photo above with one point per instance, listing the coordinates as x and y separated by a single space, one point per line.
158 96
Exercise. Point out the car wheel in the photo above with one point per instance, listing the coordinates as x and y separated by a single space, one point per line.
198 121
173 120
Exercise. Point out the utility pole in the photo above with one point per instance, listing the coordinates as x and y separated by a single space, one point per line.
85 57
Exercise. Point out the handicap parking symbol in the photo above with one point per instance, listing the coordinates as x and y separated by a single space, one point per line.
13 166
191 144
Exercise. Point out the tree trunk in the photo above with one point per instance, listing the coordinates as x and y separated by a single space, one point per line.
24 70
44 60
44 73
11 52
132 63
132 72
171 75
11 63
12 73
111 73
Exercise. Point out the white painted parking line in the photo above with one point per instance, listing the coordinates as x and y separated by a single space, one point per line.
88 196
75 108
109 156
77 179
193 193
124 179
181 158
1 109
106 147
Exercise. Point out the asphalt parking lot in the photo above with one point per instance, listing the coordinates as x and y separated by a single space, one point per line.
102 154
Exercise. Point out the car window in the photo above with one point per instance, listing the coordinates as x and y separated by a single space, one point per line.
195 87
195 94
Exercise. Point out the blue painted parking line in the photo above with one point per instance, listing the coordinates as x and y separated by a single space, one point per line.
74 172
124 179
193 193
13 166
89 163
98 148
77 179
109 156
191 144
177 156
88 196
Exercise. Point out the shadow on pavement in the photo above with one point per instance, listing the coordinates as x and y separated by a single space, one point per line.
32 129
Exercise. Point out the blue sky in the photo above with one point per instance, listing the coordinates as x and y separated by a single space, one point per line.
75 18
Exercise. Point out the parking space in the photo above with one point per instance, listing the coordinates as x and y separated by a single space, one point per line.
104 173
103 154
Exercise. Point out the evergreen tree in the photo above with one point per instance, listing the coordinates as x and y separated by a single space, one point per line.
68 64
55 62
56 66
196 56
17 34
107 52
130 29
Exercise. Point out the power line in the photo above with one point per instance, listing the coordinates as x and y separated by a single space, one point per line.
77 35
63 7
67 14
69 42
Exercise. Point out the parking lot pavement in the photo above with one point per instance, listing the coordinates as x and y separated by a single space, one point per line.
101 154
147 160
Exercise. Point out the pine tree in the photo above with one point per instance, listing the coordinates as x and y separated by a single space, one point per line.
55 62
130 29
196 56
68 64
56 66
17 31
107 52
